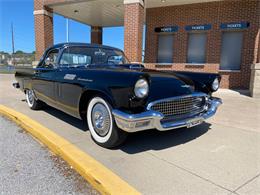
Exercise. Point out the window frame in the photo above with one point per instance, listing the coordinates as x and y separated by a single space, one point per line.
242 47
157 53
41 65
114 56
206 48
65 47
63 51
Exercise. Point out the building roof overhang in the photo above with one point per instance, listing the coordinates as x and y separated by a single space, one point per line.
105 13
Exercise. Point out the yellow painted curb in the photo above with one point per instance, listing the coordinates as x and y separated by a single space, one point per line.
100 177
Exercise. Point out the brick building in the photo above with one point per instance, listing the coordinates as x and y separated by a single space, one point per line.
193 35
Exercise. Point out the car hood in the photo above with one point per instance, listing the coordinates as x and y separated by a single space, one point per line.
163 84
167 84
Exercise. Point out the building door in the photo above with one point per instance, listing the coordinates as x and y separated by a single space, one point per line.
231 50
165 48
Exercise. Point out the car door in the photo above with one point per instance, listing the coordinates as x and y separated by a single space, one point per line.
69 88
45 77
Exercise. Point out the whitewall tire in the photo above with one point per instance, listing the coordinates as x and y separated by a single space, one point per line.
32 102
102 125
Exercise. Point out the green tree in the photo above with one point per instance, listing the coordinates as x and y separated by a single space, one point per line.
19 52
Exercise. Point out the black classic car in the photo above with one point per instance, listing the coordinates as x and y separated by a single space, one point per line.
97 84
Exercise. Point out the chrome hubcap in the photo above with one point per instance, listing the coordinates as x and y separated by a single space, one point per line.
100 119
30 96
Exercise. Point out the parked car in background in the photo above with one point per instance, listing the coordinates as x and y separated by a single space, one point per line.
98 84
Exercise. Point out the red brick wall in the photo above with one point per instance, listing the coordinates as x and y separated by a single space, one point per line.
43 26
38 4
214 13
96 35
133 22
212 68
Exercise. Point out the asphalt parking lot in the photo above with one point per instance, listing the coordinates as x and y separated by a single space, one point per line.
221 156
29 168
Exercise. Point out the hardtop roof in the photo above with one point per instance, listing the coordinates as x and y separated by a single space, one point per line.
90 45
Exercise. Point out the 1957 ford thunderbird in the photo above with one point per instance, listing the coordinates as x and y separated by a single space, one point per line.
97 84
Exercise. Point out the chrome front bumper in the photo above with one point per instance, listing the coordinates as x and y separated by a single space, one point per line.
152 119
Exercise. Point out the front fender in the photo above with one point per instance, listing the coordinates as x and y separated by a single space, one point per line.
118 92
90 92
202 81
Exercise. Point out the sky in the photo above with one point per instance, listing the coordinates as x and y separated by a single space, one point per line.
20 13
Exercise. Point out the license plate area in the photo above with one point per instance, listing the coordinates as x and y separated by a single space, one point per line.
194 122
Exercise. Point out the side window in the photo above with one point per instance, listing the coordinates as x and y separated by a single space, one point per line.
115 60
74 56
51 59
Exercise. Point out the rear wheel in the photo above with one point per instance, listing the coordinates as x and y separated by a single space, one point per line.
32 102
102 124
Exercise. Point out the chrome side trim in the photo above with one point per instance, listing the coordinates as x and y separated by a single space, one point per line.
152 119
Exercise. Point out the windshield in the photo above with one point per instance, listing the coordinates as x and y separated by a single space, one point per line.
76 56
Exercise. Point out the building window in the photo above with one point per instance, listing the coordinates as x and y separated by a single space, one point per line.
165 48
197 48
231 50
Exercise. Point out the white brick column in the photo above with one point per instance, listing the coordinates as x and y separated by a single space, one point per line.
255 80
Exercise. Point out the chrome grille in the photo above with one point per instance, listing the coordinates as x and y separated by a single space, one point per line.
179 107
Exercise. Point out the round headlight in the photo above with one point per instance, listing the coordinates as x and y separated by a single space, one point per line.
215 85
141 88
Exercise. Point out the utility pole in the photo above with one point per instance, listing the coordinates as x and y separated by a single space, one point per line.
12 30
67 28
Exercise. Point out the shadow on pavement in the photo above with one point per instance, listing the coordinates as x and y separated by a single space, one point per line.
156 140
145 140
79 124
243 92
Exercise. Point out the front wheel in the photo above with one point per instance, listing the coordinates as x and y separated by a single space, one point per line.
102 124
32 102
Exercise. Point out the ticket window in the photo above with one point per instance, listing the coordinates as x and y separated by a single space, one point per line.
165 48
231 50
197 48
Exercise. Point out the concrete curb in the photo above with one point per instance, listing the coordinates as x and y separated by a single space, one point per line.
100 177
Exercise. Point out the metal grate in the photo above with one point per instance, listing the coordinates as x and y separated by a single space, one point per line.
180 107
